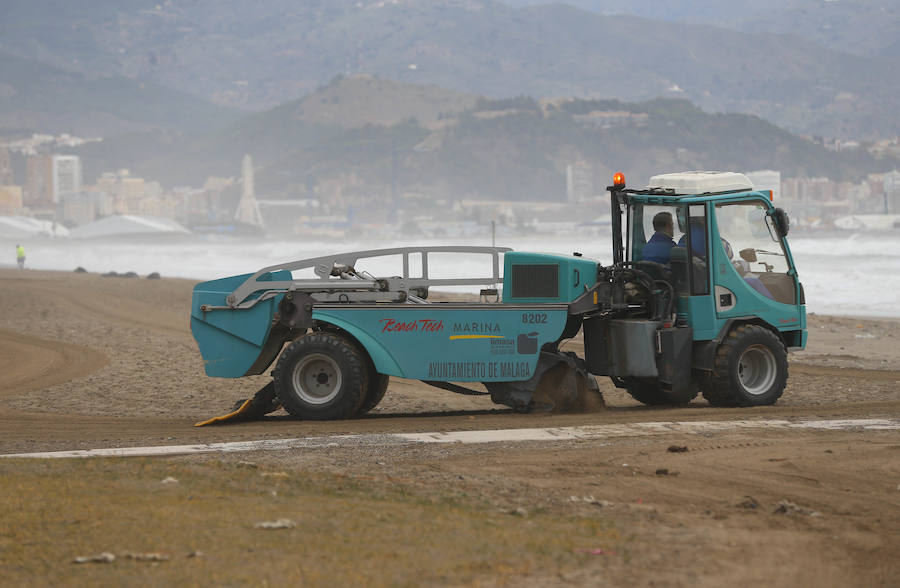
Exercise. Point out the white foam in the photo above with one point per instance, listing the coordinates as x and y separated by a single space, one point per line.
853 274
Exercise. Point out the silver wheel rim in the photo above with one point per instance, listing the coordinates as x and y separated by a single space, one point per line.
317 379
757 369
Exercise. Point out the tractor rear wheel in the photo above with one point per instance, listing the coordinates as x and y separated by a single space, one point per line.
750 369
378 384
321 376
648 391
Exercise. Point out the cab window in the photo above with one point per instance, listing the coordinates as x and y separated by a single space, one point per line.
654 229
754 249
694 241
654 234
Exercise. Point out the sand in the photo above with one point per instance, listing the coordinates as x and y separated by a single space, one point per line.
87 361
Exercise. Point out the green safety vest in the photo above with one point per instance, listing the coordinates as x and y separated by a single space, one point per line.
20 251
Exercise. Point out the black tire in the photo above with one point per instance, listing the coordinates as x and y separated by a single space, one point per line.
648 391
321 376
750 369
378 385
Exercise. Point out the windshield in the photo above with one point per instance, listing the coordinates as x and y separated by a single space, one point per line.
756 253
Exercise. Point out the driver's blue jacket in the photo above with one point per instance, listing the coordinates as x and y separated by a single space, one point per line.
658 248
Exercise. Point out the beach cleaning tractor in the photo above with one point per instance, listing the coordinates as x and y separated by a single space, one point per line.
702 295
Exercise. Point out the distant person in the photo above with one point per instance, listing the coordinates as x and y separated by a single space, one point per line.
20 256
659 247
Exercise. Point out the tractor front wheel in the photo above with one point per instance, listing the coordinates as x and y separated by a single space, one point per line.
750 369
321 376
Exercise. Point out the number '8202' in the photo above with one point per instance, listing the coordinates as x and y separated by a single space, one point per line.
534 318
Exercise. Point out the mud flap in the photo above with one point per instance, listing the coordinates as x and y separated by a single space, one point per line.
262 403
560 383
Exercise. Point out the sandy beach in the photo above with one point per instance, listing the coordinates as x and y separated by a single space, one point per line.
87 361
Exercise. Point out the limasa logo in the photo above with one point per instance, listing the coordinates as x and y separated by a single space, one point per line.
527 343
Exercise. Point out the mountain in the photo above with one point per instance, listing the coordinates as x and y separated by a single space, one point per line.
860 27
338 109
444 145
258 55
43 98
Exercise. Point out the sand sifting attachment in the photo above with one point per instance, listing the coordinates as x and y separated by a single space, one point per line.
262 403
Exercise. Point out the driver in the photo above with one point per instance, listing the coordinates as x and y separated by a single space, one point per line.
659 247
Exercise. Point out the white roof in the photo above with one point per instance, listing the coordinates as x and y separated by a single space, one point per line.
127 224
19 227
700 182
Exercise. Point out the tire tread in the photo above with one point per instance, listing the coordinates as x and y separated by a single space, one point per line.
720 389
353 368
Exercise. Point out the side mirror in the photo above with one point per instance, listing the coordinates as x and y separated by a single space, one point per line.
782 222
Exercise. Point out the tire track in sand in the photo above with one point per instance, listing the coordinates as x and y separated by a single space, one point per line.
840 372
110 309
29 363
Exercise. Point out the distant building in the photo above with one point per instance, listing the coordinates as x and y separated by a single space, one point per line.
65 175
127 190
131 191
6 175
38 182
81 208
767 179
892 192
579 181
809 200
159 206
10 199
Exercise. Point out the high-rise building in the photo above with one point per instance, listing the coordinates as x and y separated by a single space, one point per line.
579 181
892 192
66 174
38 182
6 175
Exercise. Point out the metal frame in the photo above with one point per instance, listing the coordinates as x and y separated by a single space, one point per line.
347 283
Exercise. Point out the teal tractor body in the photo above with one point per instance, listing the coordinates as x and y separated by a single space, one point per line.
710 302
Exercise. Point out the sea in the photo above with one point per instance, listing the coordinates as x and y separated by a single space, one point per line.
843 273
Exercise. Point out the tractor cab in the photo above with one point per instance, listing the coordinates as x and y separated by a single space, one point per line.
711 250
724 244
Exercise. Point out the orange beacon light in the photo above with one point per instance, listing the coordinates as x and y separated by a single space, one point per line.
619 180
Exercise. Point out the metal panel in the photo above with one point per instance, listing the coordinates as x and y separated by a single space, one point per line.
632 344
574 277
674 362
230 342
535 280
457 343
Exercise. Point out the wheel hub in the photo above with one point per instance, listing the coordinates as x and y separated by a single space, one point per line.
317 379
757 369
